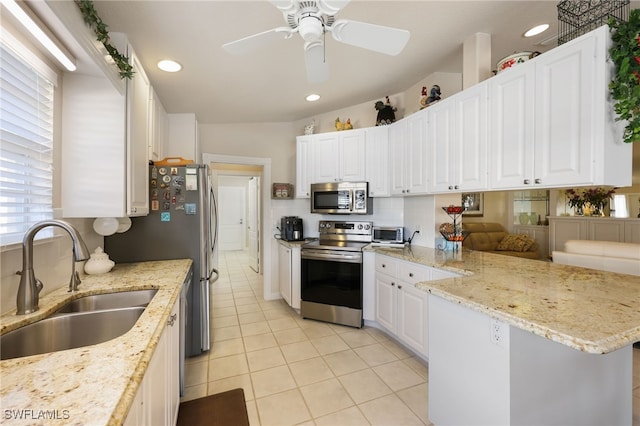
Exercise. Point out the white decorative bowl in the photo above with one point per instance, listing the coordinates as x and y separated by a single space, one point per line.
515 59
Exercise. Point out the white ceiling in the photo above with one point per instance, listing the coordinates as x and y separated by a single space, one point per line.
270 85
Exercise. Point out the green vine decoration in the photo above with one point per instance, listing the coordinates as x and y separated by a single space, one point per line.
94 21
625 86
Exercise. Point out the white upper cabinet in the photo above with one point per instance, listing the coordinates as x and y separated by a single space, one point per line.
159 125
138 137
553 123
304 166
377 161
408 157
339 156
105 145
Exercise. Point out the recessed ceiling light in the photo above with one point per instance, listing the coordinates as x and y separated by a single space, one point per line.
169 66
312 97
536 30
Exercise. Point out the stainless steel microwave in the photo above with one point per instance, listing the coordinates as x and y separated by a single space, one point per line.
388 234
341 198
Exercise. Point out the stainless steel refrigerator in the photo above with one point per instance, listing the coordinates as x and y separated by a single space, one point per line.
181 224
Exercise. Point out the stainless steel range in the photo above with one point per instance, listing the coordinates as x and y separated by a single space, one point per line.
331 278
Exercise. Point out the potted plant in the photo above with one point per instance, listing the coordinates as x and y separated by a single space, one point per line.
625 86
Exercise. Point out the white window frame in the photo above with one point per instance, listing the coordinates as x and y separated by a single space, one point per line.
11 235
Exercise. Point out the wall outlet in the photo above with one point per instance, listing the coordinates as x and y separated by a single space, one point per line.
499 333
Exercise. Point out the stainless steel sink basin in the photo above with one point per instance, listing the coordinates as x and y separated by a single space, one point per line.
68 331
122 299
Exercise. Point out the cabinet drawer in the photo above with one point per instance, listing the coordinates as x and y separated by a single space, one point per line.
412 273
386 265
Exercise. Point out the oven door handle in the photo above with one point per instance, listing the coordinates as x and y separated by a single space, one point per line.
336 256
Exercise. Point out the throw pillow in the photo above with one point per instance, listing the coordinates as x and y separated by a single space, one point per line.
515 242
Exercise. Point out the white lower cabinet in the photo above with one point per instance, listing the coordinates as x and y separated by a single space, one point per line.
400 307
289 274
158 397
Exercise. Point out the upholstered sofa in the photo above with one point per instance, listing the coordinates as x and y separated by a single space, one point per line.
492 237
609 256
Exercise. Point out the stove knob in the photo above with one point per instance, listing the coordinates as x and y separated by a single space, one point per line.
360 226
367 226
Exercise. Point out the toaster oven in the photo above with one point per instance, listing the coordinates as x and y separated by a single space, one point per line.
388 234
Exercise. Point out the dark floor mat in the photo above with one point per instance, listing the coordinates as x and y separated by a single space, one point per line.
222 409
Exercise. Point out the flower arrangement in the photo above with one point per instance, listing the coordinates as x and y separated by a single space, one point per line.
597 198
625 88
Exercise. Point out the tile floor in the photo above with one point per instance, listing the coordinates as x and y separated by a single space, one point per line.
296 371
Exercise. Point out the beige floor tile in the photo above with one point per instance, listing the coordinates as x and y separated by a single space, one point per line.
252 413
364 385
253 307
245 291
419 366
326 397
226 333
259 341
268 305
194 392
226 348
286 408
351 416
397 375
344 362
250 317
229 366
223 312
298 351
265 358
389 410
282 323
416 399
196 359
242 381
277 314
377 334
375 354
272 380
254 328
245 301
227 295
397 349
310 371
228 321
196 374
314 329
355 339
222 303
292 335
339 329
329 344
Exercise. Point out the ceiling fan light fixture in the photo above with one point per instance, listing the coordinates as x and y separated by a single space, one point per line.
168 65
310 28
538 29
312 97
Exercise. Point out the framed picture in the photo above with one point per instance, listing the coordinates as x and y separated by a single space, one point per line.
282 191
473 203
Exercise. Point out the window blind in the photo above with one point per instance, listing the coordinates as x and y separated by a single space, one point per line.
26 150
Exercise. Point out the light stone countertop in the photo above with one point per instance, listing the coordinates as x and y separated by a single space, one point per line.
588 310
94 384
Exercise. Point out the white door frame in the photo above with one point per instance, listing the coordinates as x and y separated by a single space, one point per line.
265 246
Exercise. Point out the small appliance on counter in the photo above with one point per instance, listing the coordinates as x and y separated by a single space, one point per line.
291 228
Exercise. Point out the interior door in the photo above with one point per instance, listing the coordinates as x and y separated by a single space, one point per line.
232 201
253 222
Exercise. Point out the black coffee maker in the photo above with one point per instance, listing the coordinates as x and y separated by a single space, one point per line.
291 228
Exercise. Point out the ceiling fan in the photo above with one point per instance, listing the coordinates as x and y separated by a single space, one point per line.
312 19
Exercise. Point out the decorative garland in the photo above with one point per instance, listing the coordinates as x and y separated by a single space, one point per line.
625 86
92 19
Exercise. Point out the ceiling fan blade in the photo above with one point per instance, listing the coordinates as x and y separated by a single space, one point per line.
317 67
331 7
285 6
381 39
256 41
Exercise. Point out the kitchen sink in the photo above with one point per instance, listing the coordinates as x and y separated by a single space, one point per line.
96 302
68 331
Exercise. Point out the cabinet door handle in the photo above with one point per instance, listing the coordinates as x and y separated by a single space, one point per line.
527 181
538 181
457 187
450 187
399 287
393 284
172 319
411 274
384 266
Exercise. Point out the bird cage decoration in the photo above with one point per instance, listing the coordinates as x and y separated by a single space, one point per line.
578 17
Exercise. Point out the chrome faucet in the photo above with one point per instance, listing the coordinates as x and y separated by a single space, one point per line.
30 286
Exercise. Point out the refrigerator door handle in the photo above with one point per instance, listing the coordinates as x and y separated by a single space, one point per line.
204 316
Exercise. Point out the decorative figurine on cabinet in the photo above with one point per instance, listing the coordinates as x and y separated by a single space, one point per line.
348 125
386 113
309 128
434 95
339 124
